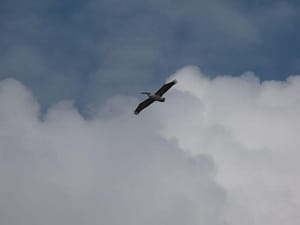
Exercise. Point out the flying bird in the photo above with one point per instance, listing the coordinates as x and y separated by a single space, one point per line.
157 96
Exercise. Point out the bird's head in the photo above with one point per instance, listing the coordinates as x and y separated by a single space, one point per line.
146 93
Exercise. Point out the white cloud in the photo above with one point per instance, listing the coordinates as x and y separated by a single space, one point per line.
108 170
218 151
250 128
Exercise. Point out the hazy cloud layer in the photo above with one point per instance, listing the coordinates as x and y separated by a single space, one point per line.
218 151
90 50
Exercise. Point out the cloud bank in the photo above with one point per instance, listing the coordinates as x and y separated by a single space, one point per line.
218 151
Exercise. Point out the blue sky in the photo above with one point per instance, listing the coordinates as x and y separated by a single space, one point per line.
90 50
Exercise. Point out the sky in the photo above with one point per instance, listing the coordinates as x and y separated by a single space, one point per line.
222 150
91 50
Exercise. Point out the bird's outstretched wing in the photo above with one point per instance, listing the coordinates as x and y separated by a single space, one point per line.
143 105
165 88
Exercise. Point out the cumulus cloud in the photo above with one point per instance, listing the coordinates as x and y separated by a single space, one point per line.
108 170
218 151
250 129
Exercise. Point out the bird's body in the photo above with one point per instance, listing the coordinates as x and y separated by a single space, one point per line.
154 96
157 96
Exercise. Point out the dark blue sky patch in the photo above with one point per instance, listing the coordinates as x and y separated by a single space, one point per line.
94 49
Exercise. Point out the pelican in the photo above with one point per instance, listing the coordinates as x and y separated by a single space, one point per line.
157 96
